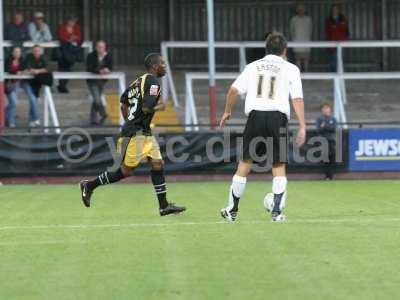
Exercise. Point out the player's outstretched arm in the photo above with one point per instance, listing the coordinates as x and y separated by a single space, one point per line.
298 106
230 104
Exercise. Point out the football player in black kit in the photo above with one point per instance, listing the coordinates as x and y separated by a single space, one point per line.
139 102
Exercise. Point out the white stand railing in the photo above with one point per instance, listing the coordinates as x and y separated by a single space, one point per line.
52 44
190 103
49 109
338 107
168 81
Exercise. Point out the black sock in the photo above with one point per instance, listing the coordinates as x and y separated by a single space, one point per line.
105 178
277 203
235 207
157 177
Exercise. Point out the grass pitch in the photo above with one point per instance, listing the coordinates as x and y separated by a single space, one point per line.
342 241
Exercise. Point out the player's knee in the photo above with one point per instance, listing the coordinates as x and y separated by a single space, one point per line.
126 171
157 164
244 168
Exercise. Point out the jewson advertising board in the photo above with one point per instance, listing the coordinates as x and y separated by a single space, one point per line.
374 149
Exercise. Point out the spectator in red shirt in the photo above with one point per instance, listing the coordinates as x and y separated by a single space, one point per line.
336 29
70 36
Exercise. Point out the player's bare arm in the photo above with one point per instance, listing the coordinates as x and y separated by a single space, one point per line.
124 111
159 107
230 104
298 106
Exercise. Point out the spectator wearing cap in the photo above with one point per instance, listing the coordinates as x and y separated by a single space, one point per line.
17 30
14 65
99 62
70 51
39 31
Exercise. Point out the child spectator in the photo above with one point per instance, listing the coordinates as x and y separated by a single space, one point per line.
326 126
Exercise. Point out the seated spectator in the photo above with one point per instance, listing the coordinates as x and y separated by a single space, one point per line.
336 29
36 65
98 62
14 65
39 31
17 30
69 34
301 31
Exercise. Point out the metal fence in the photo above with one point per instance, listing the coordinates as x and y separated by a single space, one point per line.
135 27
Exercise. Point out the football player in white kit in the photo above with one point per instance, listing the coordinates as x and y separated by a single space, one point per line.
268 84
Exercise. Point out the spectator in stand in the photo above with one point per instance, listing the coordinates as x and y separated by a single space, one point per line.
70 51
98 62
15 65
17 30
36 65
39 31
301 31
326 126
336 29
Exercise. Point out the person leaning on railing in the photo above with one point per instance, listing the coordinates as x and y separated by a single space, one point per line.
15 65
99 62
36 65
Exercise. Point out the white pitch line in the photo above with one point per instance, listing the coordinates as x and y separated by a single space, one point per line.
133 225
41 243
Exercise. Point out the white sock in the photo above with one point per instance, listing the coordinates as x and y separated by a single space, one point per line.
279 188
236 191
279 184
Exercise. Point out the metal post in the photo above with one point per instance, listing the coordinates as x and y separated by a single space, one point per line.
52 108
187 108
242 58
340 71
86 29
2 96
164 80
171 20
211 63
384 34
121 89
45 112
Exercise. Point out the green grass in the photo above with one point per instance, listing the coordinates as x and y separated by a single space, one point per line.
342 241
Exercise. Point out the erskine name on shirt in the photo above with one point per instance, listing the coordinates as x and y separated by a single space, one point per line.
269 83
268 67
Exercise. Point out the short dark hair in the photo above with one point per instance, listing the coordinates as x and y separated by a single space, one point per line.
151 60
326 103
275 44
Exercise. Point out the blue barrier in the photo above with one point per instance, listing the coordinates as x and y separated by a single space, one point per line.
374 149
